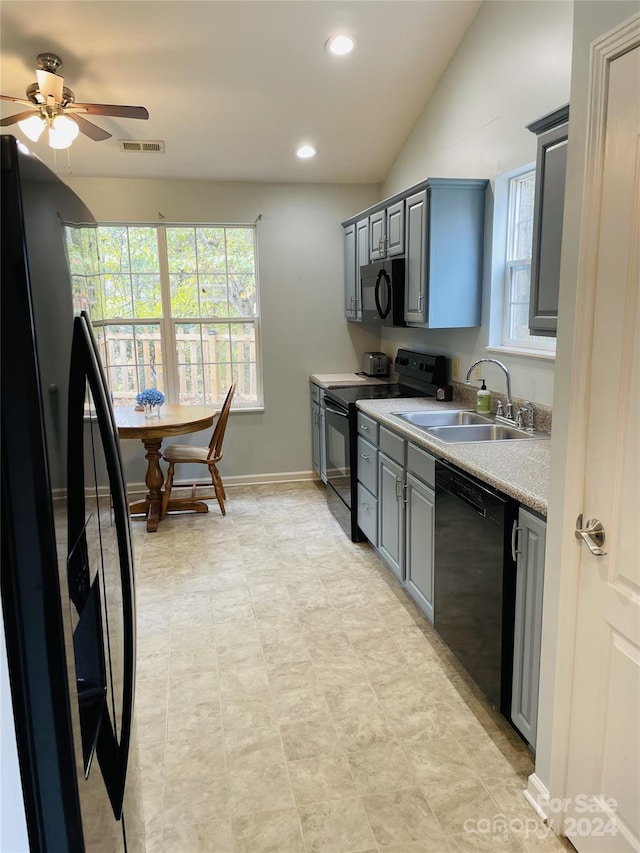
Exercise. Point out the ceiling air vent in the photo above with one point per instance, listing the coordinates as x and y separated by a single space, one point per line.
149 146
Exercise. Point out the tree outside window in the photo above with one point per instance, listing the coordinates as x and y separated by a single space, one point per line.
174 307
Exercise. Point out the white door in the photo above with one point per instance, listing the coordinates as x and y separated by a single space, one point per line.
604 745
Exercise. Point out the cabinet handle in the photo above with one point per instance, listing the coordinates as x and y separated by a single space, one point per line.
406 489
514 535
364 428
366 507
365 456
420 299
398 488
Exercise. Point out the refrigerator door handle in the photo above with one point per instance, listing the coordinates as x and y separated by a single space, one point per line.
112 747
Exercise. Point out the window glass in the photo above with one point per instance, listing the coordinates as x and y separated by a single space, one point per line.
174 307
515 326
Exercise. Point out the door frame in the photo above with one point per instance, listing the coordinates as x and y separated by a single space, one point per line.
604 50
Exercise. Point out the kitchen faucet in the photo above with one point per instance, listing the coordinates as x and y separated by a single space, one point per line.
509 413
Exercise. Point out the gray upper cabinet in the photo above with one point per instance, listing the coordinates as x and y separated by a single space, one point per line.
551 166
444 234
438 225
350 272
395 229
386 232
378 235
356 253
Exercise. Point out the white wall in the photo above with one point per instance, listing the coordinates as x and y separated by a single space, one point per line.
512 67
300 253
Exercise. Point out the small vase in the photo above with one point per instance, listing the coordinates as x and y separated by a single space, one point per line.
151 411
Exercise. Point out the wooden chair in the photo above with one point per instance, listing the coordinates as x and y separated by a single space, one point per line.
176 454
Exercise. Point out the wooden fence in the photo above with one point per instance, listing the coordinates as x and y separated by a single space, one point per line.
206 366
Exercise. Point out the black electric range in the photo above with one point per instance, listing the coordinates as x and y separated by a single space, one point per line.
419 375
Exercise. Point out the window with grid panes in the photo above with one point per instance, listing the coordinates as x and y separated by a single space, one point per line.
515 326
174 307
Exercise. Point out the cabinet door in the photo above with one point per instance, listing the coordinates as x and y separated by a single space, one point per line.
362 258
368 515
395 229
350 272
391 514
377 235
416 257
315 437
368 465
528 624
551 167
420 514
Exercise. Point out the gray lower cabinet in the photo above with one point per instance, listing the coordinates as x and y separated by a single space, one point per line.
406 505
367 463
531 537
420 500
317 432
444 235
551 165
391 514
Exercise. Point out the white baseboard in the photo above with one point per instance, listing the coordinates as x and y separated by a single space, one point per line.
537 795
135 489
140 489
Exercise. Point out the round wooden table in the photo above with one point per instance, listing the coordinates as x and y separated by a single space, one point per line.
173 420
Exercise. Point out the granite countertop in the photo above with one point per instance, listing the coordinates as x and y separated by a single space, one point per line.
520 469
346 380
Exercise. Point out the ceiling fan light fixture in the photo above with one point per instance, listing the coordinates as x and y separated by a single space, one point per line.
62 131
340 45
32 127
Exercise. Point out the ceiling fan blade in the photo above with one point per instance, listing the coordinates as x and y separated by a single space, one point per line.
90 129
109 110
5 122
50 85
16 100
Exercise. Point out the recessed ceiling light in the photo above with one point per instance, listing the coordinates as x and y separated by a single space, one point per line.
340 45
306 151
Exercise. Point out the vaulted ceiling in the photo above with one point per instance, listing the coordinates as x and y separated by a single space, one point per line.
233 86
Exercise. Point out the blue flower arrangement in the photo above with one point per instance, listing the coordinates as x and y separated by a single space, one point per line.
150 397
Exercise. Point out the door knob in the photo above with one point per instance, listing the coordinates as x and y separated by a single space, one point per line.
593 535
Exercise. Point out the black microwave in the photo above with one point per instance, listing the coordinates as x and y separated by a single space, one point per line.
382 284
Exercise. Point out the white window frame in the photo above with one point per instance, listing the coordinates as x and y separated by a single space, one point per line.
168 324
505 263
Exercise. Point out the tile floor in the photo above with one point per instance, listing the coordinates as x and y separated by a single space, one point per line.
291 698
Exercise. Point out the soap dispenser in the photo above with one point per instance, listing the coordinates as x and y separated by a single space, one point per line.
483 400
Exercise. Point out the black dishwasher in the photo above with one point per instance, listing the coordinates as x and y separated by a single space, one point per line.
475 579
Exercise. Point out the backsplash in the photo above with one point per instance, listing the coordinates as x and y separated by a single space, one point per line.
466 396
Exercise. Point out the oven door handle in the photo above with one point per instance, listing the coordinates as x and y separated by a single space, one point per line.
334 411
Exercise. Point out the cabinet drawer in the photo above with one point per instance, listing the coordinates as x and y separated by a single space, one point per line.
368 515
368 428
367 465
421 464
391 445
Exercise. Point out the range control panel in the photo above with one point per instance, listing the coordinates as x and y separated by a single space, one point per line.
420 366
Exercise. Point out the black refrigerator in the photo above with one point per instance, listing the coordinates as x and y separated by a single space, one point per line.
67 582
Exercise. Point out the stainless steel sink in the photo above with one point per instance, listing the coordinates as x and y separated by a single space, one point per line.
481 432
448 418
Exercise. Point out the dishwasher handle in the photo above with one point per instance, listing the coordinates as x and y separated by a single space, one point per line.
463 488
480 510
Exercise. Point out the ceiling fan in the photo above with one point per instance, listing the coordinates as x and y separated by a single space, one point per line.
54 106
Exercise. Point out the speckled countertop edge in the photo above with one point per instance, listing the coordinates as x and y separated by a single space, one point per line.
520 469
346 380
